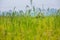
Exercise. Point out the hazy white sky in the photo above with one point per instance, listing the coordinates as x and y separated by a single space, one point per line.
21 4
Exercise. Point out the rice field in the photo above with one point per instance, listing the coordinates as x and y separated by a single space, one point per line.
16 25
29 28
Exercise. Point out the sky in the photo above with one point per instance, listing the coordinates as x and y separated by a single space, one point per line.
21 4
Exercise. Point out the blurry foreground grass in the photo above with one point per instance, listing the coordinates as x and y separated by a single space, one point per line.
29 28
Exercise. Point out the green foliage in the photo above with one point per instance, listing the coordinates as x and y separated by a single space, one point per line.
30 28
23 26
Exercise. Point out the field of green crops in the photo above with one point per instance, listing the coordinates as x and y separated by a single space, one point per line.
29 28
32 24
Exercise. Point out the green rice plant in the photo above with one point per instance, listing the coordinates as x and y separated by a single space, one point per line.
27 27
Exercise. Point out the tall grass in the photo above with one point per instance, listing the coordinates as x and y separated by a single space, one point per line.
29 28
23 26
